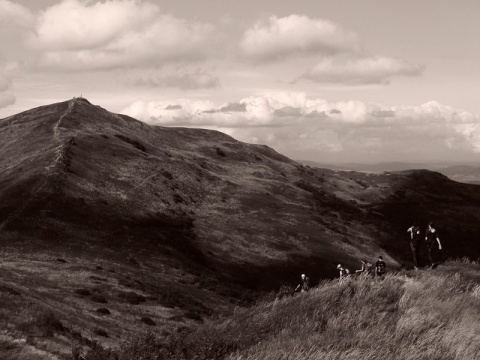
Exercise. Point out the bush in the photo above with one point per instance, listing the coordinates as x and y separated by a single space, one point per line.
103 311
9 290
83 292
132 297
148 321
44 324
220 152
97 352
100 332
193 316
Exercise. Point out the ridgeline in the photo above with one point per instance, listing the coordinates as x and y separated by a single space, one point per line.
110 227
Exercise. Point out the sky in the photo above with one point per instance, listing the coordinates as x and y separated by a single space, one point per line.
330 81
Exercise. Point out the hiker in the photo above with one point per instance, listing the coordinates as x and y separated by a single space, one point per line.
304 284
431 240
344 272
365 269
415 237
380 267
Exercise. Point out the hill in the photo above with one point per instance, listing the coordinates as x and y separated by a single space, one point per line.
110 227
427 315
468 173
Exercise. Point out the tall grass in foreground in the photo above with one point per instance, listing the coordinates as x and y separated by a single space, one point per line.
427 315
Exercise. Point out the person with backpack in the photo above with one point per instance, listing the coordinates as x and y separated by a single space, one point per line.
344 272
380 267
431 241
365 269
304 284
415 238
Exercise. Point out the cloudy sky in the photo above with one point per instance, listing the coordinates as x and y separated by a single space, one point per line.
322 80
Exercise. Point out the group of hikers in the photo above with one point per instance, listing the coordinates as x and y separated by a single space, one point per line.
366 268
431 241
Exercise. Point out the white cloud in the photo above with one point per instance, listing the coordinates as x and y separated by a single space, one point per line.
79 35
4 83
277 37
14 14
6 96
6 99
359 71
16 23
73 24
347 130
186 81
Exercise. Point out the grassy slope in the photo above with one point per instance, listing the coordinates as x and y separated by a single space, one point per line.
91 182
426 315
49 304
184 219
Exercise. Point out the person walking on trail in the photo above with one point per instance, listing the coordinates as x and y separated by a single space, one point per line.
304 284
415 238
431 241
380 267
344 272
365 269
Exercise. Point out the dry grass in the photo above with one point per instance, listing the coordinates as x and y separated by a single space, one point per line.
426 315
56 305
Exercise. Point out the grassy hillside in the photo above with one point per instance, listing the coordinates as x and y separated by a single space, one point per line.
110 227
425 315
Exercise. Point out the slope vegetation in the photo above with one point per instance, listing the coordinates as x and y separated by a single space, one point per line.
428 315
109 226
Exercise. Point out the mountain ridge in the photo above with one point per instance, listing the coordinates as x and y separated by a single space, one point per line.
192 221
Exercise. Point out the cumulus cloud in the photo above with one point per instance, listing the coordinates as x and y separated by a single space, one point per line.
188 81
6 96
360 71
6 99
4 83
16 24
318 129
275 38
79 35
14 14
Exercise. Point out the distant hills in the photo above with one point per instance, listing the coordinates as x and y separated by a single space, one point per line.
165 227
468 173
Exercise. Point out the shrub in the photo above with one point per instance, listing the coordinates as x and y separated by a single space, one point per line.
103 311
193 316
132 297
44 324
148 321
100 332
83 292
220 152
9 290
